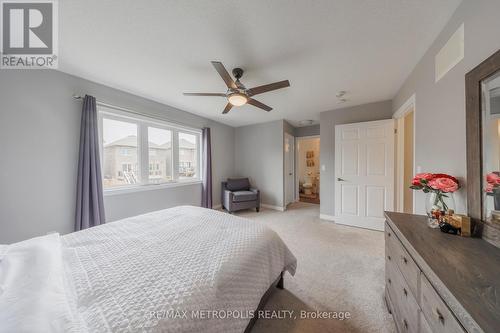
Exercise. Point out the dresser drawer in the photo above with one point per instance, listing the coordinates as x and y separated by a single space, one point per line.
405 308
437 314
403 260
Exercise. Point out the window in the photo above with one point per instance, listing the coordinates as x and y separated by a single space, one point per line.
138 151
188 153
160 155
124 152
119 151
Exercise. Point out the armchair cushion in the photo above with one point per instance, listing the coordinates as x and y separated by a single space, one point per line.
242 196
238 184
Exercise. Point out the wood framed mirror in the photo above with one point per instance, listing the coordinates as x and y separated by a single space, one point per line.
482 88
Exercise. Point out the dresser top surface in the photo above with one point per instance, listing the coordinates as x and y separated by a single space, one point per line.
468 267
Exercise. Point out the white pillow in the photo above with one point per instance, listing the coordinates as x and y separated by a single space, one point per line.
32 287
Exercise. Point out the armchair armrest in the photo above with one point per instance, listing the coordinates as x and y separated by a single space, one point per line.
228 194
256 191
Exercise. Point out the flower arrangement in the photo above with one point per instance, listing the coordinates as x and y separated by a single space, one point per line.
440 184
492 182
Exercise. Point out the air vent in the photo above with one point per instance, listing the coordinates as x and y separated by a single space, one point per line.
451 53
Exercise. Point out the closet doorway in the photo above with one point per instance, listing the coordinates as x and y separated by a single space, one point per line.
308 175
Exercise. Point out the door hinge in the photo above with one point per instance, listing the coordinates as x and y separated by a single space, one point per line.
395 131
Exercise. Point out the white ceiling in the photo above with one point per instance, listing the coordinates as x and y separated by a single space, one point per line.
159 49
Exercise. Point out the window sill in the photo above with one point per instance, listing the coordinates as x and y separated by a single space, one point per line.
149 187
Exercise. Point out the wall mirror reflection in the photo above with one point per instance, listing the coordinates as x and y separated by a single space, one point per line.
490 90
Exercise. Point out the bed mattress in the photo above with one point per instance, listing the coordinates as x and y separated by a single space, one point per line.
183 269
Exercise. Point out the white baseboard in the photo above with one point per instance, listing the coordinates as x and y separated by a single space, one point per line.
327 217
365 223
278 208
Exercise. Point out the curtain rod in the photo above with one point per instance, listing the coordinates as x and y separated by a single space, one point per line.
78 97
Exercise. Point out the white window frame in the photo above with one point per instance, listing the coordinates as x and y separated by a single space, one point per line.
143 122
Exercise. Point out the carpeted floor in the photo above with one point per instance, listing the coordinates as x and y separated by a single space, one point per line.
339 269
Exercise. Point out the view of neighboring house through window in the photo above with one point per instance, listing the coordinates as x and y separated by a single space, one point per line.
187 155
140 151
160 155
119 152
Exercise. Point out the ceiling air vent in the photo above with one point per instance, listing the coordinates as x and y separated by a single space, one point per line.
451 53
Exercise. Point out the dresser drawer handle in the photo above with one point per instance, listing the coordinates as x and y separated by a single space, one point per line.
405 323
405 260
440 316
405 291
388 234
389 257
389 280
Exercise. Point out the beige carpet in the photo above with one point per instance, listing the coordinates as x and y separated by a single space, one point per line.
339 268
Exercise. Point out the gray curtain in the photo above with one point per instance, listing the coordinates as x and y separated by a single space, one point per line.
206 194
89 198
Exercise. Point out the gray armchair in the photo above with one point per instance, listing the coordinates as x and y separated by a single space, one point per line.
237 194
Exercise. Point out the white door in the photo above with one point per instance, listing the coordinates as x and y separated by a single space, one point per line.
289 146
364 173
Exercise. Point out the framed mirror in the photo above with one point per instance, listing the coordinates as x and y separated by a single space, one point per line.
483 148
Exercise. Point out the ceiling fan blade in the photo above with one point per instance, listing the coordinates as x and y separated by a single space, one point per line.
204 94
219 67
268 87
259 104
228 107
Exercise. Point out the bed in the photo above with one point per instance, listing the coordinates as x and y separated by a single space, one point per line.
183 269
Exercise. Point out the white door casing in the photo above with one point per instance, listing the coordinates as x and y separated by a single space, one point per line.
364 173
399 116
289 156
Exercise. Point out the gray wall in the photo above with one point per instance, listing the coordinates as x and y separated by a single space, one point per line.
39 135
328 120
307 131
440 107
259 156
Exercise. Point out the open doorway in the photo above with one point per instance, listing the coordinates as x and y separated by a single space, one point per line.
405 156
308 175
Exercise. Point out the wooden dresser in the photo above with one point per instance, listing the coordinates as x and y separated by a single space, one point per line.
436 282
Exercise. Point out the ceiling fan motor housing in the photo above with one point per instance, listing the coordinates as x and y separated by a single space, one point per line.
237 72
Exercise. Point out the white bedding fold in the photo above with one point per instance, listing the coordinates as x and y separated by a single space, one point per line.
33 296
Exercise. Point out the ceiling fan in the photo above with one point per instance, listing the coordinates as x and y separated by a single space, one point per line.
237 94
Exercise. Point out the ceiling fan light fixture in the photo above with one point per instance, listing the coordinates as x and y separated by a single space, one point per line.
237 94
237 99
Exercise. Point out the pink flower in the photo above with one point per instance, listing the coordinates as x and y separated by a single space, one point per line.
443 175
417 180
493 178
446 185
425 175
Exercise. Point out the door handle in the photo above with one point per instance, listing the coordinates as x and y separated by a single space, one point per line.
341 180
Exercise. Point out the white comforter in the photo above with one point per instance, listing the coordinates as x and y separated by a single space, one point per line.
175 270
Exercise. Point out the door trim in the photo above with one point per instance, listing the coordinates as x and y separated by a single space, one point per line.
285 186
399 115
297 186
